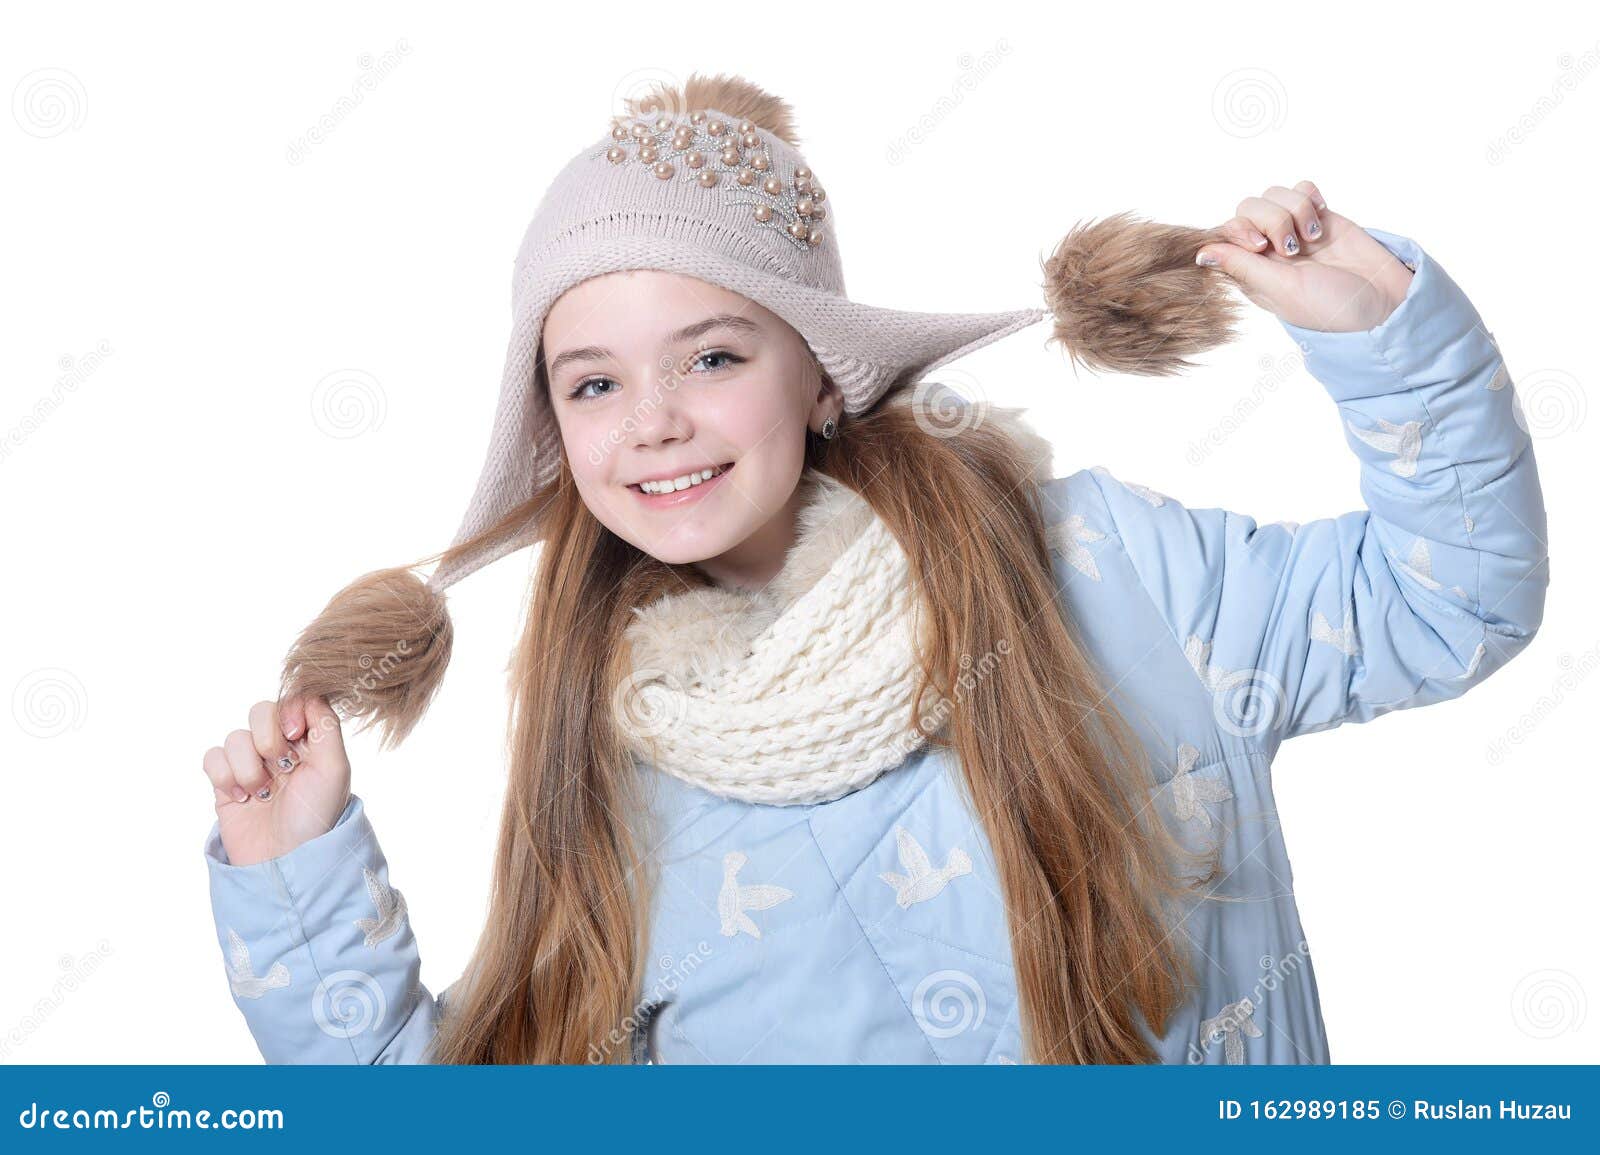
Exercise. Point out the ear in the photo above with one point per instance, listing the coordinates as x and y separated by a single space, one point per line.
829 402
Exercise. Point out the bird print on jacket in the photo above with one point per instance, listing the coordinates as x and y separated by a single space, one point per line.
241 975
1343 637
1190 790
1418 564
1404 441
921 881
1142 492
1232 1022
391 906
734 900
1067 537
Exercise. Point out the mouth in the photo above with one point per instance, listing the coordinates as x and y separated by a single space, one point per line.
682 489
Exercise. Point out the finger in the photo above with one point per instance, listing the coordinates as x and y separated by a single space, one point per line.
1257 274
1274 220
292 715
1244 234
1311 190
1306 221
322 728
248 769
267 733
217 769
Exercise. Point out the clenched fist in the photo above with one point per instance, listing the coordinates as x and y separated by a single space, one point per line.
282 782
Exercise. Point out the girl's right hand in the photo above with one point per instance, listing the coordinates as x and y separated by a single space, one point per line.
282 782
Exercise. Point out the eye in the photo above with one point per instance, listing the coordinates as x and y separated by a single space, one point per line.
727 358
576 393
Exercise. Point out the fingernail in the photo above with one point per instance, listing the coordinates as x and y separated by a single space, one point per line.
1290 245
286 763
1314 229
1318 201
240 794
264 793
1205 259
1257 240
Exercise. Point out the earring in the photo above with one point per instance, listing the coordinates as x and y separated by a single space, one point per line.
829 427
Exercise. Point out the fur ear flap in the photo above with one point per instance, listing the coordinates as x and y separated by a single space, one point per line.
378 652
1128 297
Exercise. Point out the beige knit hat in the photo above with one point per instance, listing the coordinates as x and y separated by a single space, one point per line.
708 181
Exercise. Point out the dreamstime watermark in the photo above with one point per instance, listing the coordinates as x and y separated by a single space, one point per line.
74 372
949 406
1248 102
1547 403
348 1003
648 702
347 403
49 102
1548 1003
973 71
673 372
1573 671
48 702
75 972
1235 1020
1274 372
948 1003
1573 71
627 1030
373 72
933 718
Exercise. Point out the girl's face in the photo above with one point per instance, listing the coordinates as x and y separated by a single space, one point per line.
658 377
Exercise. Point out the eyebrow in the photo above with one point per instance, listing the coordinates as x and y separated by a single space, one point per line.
687 333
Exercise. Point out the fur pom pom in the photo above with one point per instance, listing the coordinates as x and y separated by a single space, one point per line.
732 95
1128 297
378 651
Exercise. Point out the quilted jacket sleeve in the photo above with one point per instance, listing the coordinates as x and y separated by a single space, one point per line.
319 953
1418 597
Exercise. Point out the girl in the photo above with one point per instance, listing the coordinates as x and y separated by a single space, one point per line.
841 729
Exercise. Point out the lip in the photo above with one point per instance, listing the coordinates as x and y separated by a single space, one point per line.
679 497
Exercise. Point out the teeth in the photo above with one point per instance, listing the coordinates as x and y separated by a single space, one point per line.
677 483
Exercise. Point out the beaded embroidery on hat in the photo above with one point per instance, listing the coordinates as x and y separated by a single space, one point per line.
740 163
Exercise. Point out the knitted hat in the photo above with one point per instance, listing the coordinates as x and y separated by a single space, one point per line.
708 181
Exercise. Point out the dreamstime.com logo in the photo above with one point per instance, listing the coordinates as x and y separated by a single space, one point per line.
160 1116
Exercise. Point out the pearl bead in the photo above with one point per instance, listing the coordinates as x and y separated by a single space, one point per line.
697 117
640 130
802 184
813 237
695 159
763 212
707 179
803 206
663 124
730 156
663 170
619 132
716 128
747 177
751 140
772 186
797 230
818 195
616 153
759 162
647 153
818 212
746 126
802 173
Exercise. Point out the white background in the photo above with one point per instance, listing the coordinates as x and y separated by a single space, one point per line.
196 491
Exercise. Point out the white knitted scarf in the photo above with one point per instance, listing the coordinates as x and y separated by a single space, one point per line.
799 692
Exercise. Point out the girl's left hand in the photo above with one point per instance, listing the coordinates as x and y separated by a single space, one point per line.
1295 257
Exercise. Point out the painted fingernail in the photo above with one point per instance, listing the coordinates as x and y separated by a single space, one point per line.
1257 240
1314 229
265 793
240 794
1205 259
1290 245
286 763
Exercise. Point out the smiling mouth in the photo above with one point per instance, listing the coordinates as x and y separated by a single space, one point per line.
678 485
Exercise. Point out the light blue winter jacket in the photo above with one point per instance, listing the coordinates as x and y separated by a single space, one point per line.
848 931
